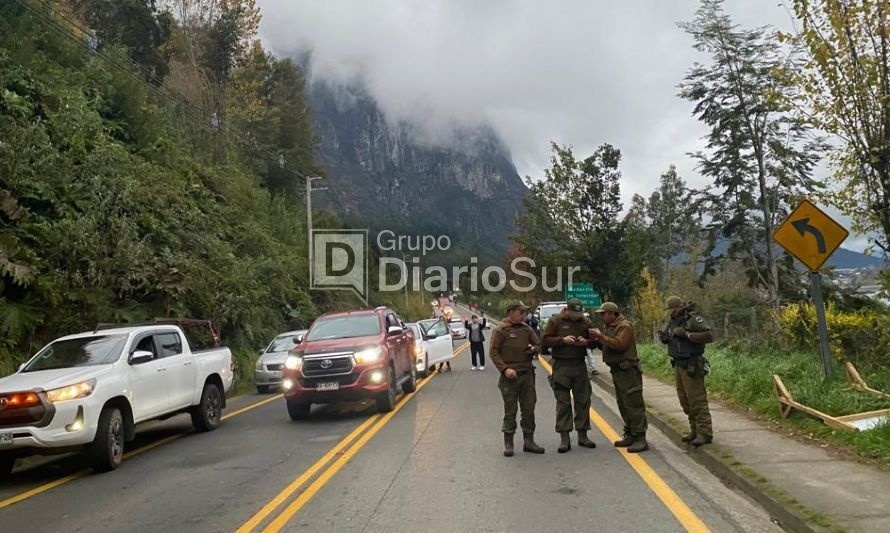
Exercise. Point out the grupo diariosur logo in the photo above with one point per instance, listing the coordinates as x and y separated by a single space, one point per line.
339 260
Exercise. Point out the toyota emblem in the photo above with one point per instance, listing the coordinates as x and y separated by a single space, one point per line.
4 402
327 363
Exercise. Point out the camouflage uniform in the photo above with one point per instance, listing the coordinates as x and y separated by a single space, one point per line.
686 334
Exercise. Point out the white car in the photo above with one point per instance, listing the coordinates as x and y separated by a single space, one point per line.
270 365
435 344
457 327
91 389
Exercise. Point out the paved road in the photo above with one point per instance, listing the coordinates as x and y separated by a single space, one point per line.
435 465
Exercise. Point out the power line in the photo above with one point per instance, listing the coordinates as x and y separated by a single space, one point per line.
127 65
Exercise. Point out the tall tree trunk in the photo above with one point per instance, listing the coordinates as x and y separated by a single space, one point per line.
772 285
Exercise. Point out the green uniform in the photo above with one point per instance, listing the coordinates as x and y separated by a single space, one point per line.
510 349
686 336
620 353
570 381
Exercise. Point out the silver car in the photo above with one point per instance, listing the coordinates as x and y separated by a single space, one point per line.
269 366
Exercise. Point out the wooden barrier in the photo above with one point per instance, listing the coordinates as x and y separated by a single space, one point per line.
854 422
857 382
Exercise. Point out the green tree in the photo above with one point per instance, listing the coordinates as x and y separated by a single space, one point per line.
140 25
672 223
846 83
760 151
572 219
267 101
108 213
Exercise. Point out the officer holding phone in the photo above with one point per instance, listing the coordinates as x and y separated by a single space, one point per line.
567 334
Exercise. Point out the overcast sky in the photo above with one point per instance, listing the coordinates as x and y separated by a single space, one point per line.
577 72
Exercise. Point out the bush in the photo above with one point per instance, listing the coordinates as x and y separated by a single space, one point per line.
862 337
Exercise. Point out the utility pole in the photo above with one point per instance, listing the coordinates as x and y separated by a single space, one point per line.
309 189
407 281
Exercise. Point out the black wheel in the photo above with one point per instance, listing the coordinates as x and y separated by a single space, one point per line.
207 415
411 385
107 450
7 462
298 411
262 389
386 402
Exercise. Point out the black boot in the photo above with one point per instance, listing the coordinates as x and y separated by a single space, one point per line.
639 445
529 444
625 441
584 441
508 445
565 443
701 440
689 437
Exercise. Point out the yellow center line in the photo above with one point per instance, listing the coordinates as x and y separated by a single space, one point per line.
253 406
297 483
43 488
281 520
665 493
77 475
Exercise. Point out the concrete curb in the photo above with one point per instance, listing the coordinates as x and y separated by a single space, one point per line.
788 518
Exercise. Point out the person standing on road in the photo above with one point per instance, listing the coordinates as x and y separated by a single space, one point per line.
477 341
686 334
512 346
568 336
619 348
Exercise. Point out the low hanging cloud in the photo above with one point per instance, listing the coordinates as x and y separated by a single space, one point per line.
575 72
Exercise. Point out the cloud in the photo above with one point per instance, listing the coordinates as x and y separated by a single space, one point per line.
575 72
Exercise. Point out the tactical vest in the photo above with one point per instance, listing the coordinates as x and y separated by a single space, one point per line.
682 348
566 326
514 349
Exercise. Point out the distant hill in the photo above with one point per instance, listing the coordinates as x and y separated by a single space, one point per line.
844 258
381 176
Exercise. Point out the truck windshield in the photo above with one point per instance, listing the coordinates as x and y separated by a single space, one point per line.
84 351
343 327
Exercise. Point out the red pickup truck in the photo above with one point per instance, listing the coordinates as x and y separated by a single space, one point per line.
349 356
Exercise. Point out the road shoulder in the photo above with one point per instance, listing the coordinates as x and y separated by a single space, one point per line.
790 479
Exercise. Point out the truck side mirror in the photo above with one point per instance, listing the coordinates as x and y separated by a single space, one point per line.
141 356
394 330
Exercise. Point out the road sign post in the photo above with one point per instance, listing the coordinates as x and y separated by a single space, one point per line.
824 353
811 236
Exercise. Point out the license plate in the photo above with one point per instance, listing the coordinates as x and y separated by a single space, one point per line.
5 439
333 385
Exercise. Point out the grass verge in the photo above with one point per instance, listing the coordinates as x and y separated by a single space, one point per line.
744 378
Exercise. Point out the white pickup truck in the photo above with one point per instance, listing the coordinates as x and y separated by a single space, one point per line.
89 390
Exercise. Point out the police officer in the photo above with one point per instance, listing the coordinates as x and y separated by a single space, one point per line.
512 347
619 347
568 336
686 334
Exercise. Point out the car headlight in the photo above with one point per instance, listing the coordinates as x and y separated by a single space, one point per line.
259 364
293 361
71 392
368 355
